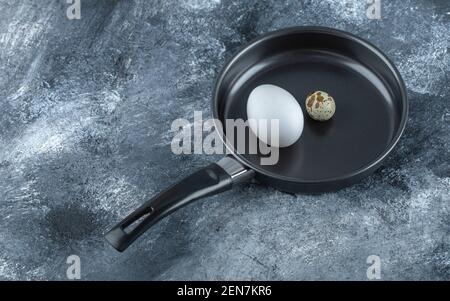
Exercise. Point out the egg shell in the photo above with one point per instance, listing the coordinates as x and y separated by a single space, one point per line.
269 102
320 106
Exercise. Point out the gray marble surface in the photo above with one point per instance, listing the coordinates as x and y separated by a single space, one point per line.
85 113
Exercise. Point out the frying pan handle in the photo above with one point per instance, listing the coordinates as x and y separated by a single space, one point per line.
215 178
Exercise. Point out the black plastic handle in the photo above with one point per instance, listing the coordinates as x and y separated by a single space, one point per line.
207 181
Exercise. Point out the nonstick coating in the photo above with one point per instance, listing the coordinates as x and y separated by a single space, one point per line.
371 104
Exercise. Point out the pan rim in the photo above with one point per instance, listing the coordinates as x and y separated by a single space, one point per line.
320 30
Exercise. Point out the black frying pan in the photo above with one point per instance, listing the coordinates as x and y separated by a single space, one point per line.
371 112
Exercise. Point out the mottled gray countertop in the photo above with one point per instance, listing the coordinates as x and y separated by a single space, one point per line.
86 107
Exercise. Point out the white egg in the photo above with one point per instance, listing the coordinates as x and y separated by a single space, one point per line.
269 102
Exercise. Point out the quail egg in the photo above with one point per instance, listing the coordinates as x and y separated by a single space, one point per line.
320 106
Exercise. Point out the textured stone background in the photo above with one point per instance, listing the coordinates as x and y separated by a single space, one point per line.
85 113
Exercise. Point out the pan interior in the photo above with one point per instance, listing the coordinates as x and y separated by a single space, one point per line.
367 107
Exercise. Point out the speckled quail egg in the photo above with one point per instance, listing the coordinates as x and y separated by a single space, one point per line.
320 106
